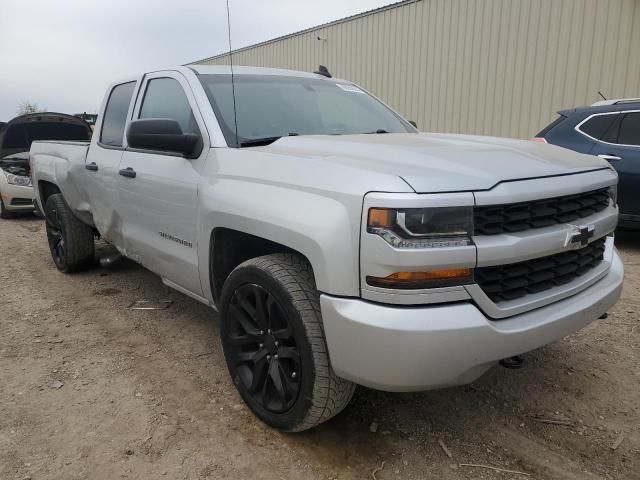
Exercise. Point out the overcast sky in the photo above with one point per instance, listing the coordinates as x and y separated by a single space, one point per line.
62 54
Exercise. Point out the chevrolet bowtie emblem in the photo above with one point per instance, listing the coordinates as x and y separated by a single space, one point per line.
581 234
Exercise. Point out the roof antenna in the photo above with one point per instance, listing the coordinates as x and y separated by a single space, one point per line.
233 86
603 97
322 70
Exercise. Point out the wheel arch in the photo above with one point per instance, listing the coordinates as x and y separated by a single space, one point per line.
228 248
45 190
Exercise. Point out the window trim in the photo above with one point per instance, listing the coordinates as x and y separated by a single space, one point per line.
137 109
622 112
99 142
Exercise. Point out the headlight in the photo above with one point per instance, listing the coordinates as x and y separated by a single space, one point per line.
18 180
423 227
613 193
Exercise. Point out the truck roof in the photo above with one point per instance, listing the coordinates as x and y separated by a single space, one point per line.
226 69
244 70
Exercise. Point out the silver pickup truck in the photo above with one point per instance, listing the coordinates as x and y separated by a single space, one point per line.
340 245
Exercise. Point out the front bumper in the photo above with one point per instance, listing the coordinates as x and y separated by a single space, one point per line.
420 348
15 198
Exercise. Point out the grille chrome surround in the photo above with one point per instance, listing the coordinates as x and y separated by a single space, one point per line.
517 217
516 280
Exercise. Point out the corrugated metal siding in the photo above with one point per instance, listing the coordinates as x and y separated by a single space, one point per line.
491 67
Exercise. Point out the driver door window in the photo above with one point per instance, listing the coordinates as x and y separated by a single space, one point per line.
165 98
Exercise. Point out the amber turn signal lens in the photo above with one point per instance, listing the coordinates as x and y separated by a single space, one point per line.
431 279
379 217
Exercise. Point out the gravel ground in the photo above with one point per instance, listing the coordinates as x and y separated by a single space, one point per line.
92 389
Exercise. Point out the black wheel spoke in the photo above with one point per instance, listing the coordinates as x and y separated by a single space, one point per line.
290 385
241 340
251 356
261 345
244 320
261 308
289 353
276 379
283 333
259 379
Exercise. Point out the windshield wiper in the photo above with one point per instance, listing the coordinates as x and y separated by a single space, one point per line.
256 142
380 130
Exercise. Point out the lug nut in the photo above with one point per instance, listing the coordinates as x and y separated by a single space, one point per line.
277 344
269 331
262 345
268 357
275 356
293 375
261 332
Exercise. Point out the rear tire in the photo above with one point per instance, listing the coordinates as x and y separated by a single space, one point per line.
71 241
4 213
274 344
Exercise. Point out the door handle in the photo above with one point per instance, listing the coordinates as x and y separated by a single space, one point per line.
91 167
128 172
609 157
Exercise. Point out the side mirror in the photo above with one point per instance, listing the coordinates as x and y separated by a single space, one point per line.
412 122
163 135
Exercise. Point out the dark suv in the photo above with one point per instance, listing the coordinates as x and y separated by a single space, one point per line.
609 129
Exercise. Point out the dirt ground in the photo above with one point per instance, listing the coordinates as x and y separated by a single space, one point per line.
92 389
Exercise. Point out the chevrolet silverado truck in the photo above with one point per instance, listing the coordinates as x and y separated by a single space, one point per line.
341 246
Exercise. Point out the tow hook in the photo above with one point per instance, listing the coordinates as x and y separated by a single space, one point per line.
604 316
512 363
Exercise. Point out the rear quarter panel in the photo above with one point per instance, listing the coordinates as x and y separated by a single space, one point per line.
565 135
62 164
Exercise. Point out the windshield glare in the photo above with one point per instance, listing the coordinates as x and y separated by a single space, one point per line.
276 106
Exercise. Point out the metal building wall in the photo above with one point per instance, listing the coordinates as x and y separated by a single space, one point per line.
491 67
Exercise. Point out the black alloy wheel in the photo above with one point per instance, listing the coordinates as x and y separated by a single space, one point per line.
273 339
55 236
71 242
262 348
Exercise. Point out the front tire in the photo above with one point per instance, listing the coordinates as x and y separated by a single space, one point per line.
274 344
71 241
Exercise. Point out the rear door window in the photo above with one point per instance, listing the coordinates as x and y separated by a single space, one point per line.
598 126
115 114
165 98
629 133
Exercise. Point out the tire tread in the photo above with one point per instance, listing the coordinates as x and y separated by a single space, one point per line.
331 394
79 237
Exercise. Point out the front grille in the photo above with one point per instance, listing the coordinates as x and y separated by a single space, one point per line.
21 201
516 217
508 282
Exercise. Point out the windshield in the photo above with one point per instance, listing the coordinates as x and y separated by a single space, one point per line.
272 106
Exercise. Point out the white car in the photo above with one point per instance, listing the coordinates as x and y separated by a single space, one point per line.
16 191
15 185
340 245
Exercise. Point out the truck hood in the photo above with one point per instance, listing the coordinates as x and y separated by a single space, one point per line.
432 163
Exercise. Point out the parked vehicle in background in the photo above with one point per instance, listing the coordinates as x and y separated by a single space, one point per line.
340 245
16 191
609 129
90 118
